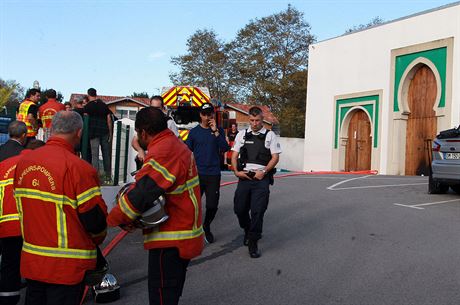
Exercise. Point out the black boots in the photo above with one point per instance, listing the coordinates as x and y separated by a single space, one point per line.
253 249
208 236
209 216
246 238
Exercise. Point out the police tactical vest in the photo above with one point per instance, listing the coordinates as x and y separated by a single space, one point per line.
254 150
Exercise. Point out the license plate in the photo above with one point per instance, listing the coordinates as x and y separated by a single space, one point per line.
453 156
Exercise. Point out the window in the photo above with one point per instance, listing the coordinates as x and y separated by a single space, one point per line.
126 112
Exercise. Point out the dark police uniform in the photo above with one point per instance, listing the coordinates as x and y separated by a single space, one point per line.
251 196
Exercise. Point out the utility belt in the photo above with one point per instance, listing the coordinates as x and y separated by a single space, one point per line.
270 174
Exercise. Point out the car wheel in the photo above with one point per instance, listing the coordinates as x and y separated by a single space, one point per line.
456 188
435 187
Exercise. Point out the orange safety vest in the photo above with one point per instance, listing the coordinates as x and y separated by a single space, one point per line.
176 173
50 194
22 116
9 216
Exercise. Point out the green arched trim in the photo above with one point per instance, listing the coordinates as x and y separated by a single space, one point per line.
437 56
370 104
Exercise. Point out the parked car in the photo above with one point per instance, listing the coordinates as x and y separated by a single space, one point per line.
445 165
4 122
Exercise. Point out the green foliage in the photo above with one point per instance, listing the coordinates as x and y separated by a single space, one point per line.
43 98
11 93
140 94
204 65
375 21
265 64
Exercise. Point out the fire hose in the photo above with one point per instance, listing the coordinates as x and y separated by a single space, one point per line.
120 236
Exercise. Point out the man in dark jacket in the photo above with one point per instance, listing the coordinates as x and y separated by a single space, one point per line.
207 142
17 131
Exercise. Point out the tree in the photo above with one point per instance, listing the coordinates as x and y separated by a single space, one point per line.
43 99
140 94
265 64
204 64
375 21
11 93
269 60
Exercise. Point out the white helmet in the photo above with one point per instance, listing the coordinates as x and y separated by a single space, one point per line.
108 290
151 218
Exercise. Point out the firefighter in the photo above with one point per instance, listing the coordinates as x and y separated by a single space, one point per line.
48 110
28 112
10 230
257 149
62 215
169 170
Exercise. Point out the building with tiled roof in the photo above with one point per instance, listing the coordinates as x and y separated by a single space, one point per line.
242 120
121 106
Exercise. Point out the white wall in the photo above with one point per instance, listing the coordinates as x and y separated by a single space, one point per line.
361 62
131 152
291 157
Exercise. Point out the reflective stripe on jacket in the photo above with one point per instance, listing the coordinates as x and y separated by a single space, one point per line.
22 116
9 217
170 164
53 187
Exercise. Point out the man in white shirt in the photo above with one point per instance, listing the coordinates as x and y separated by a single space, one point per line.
254 157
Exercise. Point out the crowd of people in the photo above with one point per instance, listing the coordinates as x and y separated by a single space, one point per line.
53 217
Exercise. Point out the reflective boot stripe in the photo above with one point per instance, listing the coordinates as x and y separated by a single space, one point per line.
9 293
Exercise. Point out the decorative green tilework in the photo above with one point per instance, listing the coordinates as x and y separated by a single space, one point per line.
437 56
343 106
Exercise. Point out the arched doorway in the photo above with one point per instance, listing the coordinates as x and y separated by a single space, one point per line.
359 144
422 122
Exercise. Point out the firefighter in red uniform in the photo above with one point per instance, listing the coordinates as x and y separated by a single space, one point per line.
169 170
47 111
62 216
10 229
28 112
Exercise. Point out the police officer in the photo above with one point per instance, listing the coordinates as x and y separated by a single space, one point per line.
255 155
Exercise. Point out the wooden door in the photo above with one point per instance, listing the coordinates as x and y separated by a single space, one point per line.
359 144
421 124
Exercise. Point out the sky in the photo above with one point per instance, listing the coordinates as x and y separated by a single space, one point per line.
120 46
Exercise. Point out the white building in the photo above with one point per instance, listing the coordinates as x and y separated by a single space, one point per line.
376 97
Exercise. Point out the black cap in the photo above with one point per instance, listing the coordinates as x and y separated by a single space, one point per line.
207 108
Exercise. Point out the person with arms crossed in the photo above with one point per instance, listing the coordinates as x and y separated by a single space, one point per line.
207 142
173 175
257 150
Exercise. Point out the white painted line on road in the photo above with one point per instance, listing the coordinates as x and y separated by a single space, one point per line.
331 188
408 206
418 206
312 177
375 186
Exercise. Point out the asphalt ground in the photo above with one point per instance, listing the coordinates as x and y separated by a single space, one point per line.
328 239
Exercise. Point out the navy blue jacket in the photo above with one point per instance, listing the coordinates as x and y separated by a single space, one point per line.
206 148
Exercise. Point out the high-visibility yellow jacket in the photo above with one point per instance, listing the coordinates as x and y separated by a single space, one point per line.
22 116
62 214
169 169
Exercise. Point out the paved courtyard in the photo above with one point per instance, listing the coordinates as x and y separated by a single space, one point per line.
328 239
